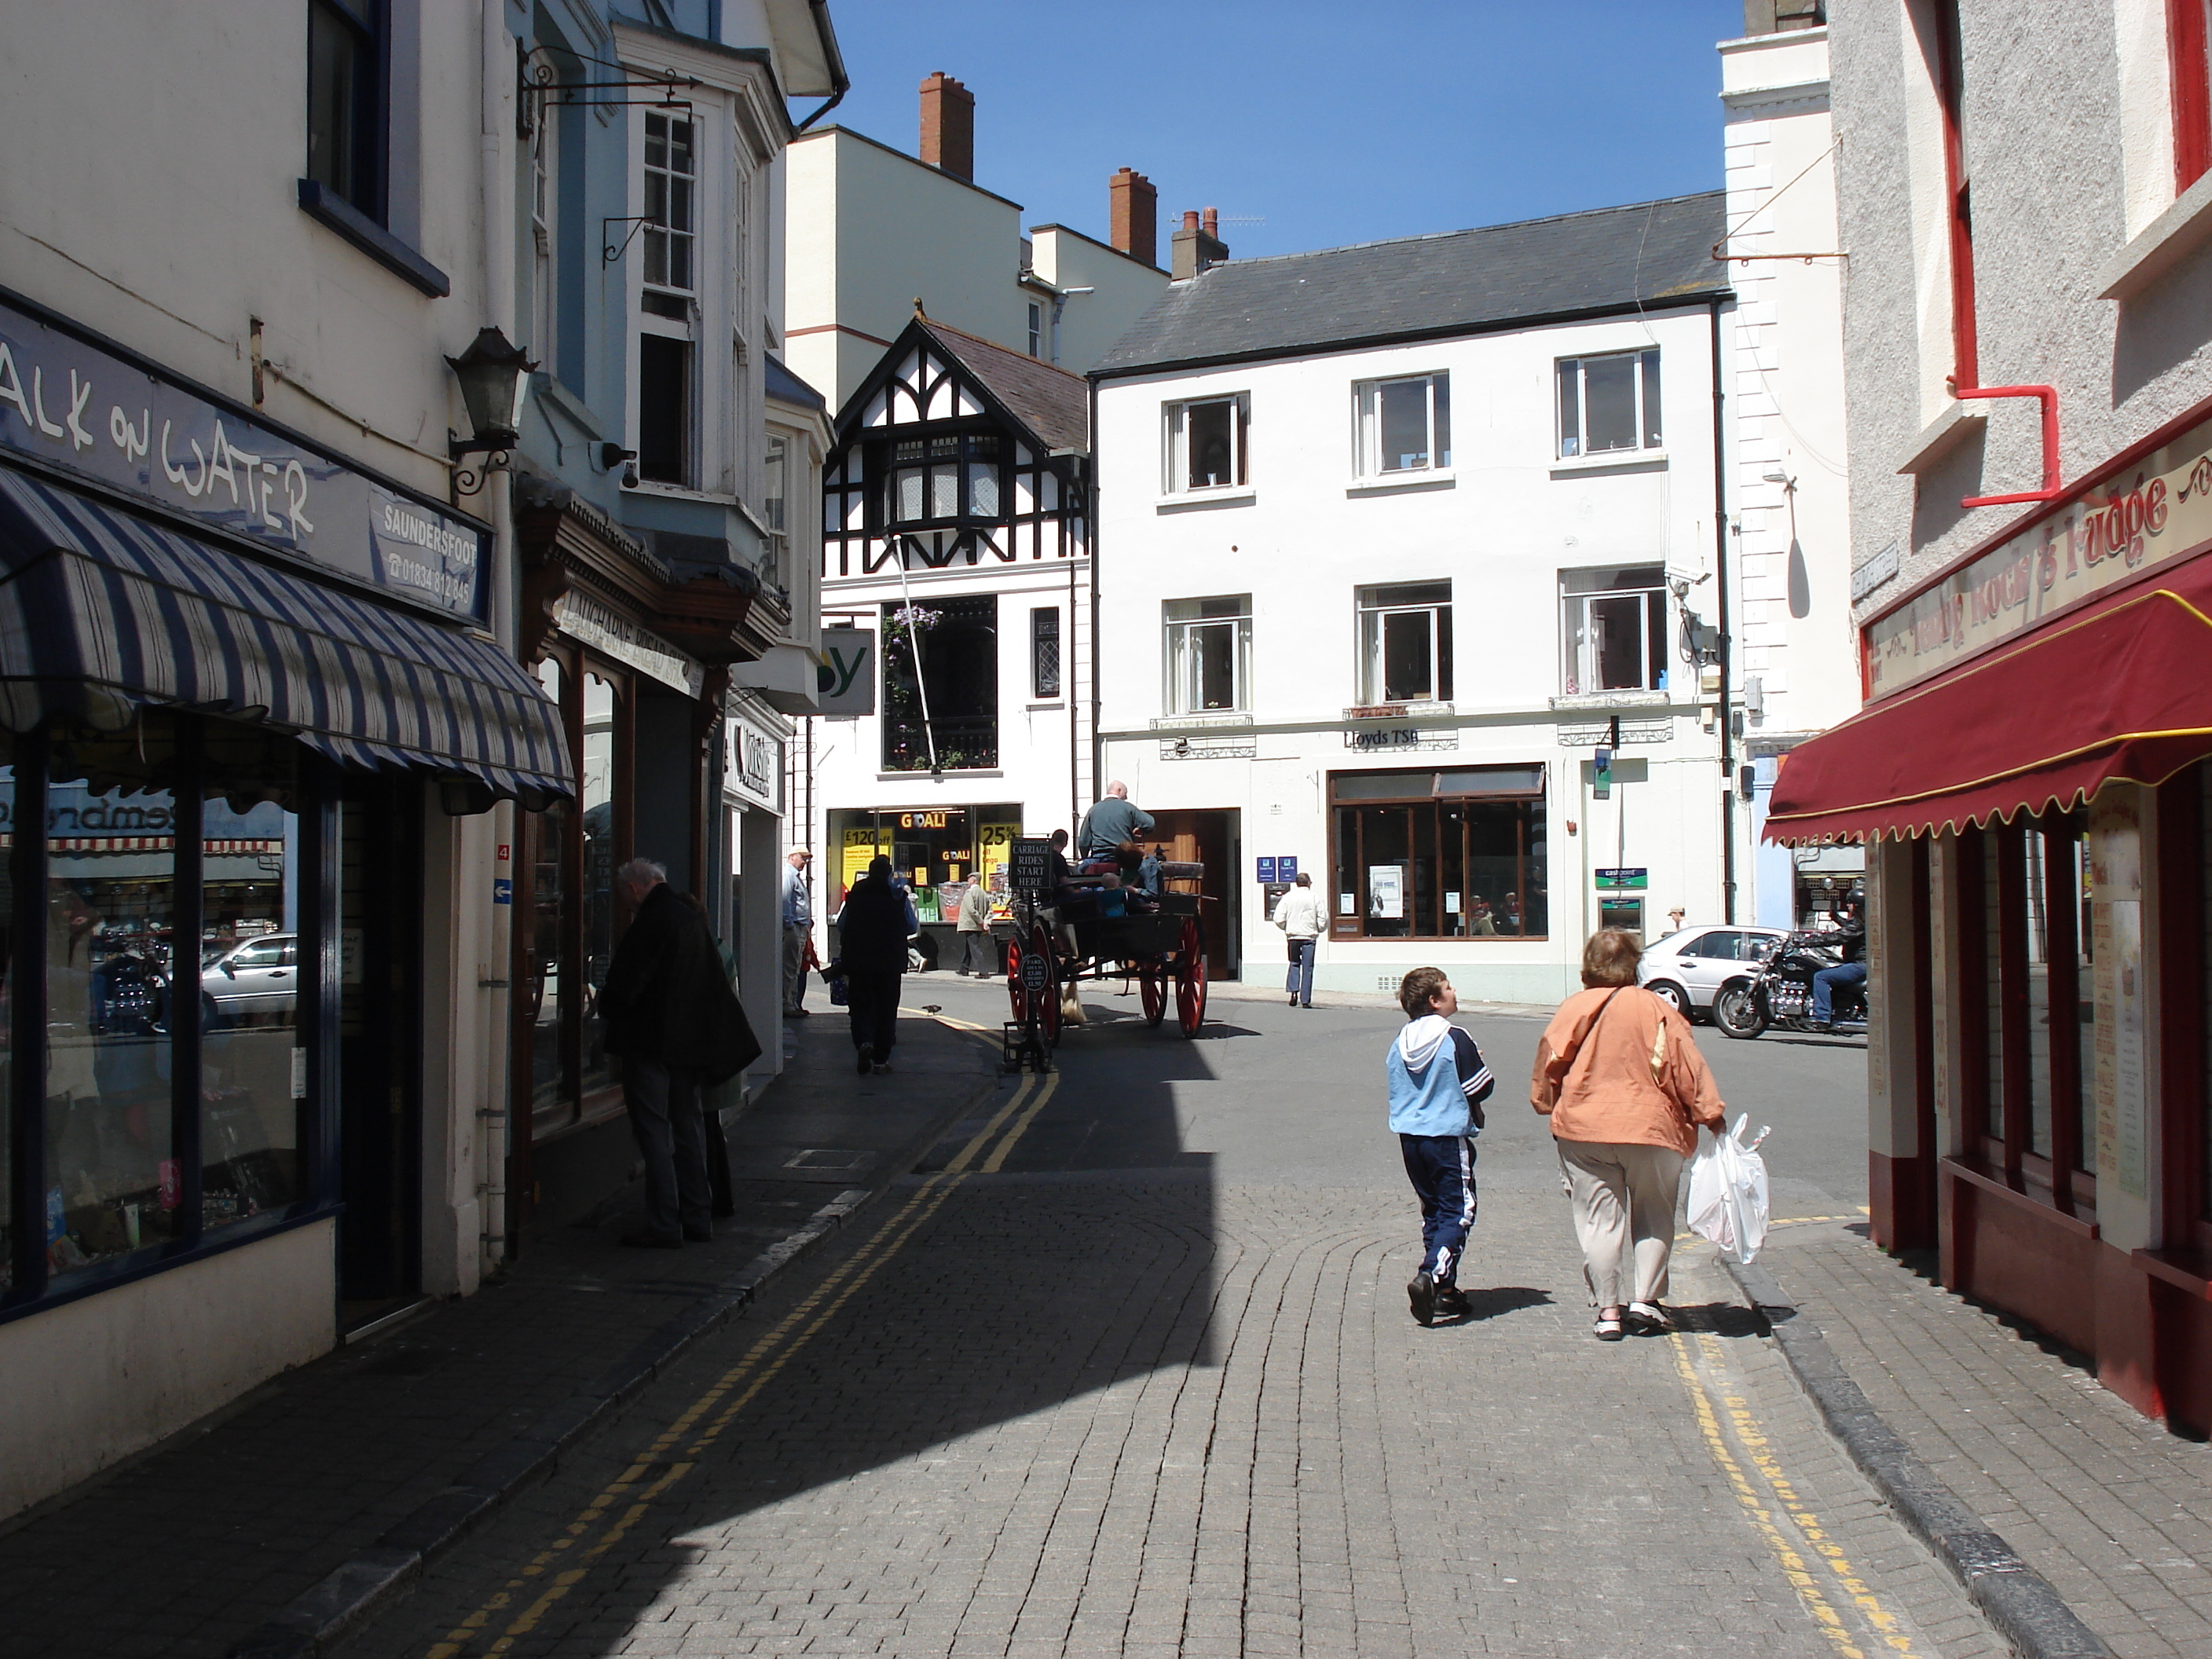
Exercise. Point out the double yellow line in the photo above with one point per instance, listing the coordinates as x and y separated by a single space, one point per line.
625 1501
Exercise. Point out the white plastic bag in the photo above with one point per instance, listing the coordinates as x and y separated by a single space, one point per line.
1727 1191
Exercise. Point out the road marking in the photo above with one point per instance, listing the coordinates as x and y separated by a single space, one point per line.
569 1560
1711 1400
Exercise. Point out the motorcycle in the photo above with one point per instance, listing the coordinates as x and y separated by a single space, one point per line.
1778 996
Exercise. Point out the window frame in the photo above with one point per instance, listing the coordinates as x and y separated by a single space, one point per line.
966 457
1367 427
1372 612
1652 637
1181 664
2189 62
1046 660
366 25
1037 329
1175 449
660 231
945 726
1649 405
1532 862
1958 193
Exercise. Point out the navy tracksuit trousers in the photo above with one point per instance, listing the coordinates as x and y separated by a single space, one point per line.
1442 1170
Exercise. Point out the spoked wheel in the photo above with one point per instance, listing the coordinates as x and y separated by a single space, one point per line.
1190 979
1738 1013
1049 999
1017 999
1152 981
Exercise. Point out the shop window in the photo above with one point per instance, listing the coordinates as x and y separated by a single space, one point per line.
1209 654
1429 855
552 1097
1406 643
1609 404
2031 1076
940 702
1044 652
1207 442
601 855
1613 630
344 103
1404 425
936 851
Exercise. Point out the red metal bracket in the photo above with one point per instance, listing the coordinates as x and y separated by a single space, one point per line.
2048 396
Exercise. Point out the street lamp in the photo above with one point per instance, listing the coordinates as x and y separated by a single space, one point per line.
495 377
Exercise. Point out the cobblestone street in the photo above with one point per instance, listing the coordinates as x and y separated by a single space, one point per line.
1124 1368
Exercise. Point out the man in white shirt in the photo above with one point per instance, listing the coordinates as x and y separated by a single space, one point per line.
1297 912
798 931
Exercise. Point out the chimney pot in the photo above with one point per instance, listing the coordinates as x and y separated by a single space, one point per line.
948 127
1134 215
1191 250
1213 223
1190 220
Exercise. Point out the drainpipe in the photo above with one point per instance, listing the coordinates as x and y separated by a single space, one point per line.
1728 646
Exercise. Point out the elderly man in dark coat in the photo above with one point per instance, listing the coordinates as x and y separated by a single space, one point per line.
665 1002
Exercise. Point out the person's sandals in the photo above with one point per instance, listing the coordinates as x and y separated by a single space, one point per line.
1607 1330
1649 1319
1421 1293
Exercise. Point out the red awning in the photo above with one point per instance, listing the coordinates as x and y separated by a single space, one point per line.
2120 689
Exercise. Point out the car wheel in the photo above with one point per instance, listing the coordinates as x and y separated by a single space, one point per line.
1669 991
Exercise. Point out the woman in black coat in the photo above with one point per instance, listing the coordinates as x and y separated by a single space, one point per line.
873 930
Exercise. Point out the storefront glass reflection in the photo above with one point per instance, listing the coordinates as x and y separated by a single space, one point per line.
599 879
550 1104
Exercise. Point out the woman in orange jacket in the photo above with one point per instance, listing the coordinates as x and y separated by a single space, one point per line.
1620 1078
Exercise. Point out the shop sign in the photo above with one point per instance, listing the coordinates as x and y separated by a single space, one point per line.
588 622
845 681
1636 876
754 764
1369 738
1030 867
2145 516
80 409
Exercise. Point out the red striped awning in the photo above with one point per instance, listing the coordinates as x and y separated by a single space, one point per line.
2121 689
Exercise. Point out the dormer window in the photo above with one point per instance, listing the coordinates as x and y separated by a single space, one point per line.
950 476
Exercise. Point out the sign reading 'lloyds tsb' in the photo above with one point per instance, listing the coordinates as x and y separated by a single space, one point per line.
72 405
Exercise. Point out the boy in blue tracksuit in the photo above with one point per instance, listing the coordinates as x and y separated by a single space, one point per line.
1437 1084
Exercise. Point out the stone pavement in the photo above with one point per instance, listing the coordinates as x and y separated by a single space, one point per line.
2115 1512
1078 1411
184 1550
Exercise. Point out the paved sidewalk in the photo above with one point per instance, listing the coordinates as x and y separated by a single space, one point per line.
2115 1511
188 1548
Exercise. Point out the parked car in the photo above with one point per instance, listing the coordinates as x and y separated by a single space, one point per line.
1691 964
257 977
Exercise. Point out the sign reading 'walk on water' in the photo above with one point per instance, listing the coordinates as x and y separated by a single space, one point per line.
73 406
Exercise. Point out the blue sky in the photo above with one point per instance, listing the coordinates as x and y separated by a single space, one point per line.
1328 123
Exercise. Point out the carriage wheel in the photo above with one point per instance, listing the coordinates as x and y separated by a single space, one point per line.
1017 998
1152 981
1190 980
1049 1001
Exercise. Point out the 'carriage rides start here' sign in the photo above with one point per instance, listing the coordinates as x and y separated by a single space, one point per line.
1030 869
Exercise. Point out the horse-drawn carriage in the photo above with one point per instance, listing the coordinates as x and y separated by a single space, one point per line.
1058 947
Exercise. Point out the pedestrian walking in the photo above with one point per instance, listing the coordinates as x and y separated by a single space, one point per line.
672 1017
797 930
873 929
1436 1083
1297 912
979 951
1621 1079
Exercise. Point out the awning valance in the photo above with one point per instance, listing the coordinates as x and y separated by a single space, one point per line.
102 613
2121 689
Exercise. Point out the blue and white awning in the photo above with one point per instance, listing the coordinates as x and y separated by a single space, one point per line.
102 613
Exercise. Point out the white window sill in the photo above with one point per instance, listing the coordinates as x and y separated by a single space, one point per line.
1407 483
1043 708
947 776
1412 710
2161 245
1612 700
1942 435
1196 501
1612 460
679 493
1210 720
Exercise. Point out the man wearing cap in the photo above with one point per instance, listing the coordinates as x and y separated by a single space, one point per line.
798 931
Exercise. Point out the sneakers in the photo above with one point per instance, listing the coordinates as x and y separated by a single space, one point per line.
867 1065
882 1066
1648 1319
1452 1302
1421 1293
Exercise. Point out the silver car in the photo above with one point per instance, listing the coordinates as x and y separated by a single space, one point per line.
257 977
1690 965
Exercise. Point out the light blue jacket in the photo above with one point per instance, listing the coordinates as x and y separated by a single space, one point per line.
1428 1096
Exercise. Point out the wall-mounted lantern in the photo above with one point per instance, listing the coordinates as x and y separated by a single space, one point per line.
495 377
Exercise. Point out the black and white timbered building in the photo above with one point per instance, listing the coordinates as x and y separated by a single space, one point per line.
957 531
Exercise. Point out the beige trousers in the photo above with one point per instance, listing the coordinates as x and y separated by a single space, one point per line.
1623 1200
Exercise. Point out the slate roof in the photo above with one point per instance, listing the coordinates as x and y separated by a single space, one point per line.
1417 287
787 387
1054 404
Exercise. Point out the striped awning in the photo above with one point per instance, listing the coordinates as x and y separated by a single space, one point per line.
103 613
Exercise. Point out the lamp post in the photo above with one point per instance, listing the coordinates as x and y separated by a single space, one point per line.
495 377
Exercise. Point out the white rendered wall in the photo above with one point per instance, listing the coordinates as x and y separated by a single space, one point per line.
1510 518
1122 290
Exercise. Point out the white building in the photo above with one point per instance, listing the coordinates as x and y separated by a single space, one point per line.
1389 536
1795 673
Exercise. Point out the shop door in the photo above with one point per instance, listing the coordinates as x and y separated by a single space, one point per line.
380 1046
1208 838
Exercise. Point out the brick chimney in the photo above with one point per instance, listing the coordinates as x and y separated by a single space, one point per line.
1134 211
948 127
1194 249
